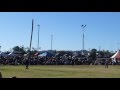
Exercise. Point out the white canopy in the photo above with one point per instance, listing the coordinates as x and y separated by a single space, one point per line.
12 54
116 55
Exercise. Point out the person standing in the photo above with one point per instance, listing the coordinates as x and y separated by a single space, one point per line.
106 63
27 63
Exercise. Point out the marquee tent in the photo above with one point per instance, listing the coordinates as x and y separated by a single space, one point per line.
116 56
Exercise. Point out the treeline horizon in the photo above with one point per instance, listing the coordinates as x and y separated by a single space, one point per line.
25 49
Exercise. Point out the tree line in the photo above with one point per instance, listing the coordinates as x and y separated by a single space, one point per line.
93 53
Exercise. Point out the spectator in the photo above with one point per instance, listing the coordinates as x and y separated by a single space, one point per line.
106 63
27 64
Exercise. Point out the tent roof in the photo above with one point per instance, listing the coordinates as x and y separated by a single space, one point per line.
116 55
36 54
46 54
75 54
13 54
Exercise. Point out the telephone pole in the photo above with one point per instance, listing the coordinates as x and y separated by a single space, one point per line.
38 36
83 26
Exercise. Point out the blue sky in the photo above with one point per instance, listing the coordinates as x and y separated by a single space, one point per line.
103 29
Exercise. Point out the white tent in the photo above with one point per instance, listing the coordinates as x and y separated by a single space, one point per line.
116 56
12 54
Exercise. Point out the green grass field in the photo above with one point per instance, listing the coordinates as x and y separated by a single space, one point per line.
62 71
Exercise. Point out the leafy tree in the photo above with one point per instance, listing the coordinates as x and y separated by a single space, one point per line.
16 48
93 54
19 49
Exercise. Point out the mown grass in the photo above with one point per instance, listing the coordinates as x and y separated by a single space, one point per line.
61 71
